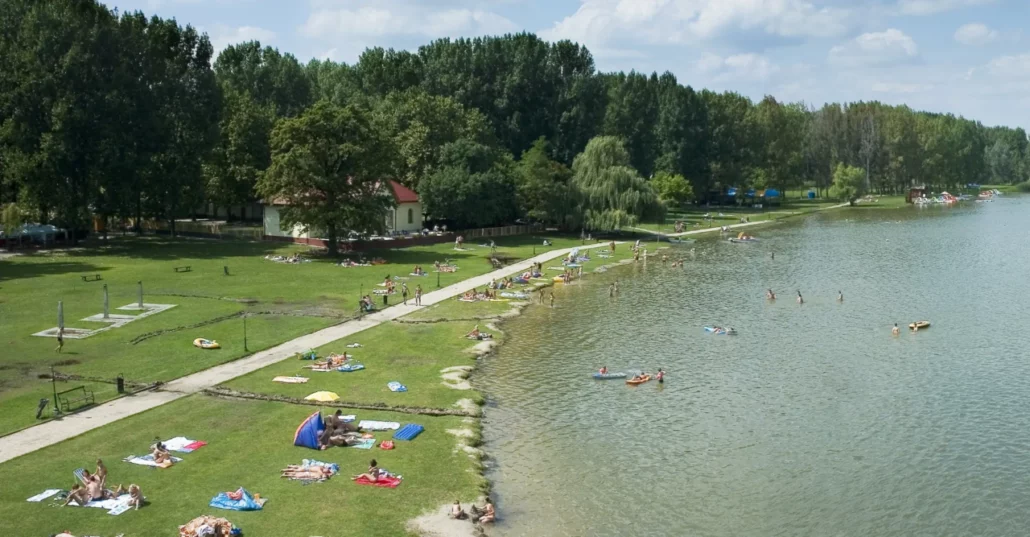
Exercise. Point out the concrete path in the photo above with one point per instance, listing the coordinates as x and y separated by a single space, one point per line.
59 430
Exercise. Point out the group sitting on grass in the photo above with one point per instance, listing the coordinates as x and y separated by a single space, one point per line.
444 267
295 258
476 335
504 283
94 488
418 271
473 295
331 362
338 433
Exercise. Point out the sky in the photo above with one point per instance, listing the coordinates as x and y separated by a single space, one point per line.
967 57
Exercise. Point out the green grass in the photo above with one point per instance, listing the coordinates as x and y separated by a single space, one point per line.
412 354
884 202
315 295
249 443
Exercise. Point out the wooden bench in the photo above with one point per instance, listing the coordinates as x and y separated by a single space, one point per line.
91 278
74 396
187 268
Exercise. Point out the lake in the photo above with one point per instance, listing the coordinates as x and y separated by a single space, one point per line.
813 420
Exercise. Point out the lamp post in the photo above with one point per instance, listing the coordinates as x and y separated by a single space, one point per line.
437 280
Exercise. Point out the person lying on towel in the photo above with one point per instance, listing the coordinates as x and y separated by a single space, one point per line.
294 471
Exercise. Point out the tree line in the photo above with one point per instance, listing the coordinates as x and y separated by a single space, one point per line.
120 115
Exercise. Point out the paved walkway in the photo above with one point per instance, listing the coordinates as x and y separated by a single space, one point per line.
59 430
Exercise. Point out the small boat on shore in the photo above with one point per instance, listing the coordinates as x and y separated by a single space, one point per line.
641 380
919 325
609 376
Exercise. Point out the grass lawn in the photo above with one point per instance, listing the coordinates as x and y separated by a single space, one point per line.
412 354
249 443
292 299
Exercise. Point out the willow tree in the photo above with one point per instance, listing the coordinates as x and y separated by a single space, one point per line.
328 170
612 194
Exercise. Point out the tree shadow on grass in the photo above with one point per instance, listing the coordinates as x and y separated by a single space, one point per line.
170 249
11 270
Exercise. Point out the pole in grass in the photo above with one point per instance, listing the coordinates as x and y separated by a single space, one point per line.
106 303
245 349
438 279
53 382
139 297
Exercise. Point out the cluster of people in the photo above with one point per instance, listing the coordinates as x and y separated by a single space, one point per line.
332 362
503 283
388 284
475 334
473 295
444 267
366 304
338 433
94 486
481 516
417 271
295 258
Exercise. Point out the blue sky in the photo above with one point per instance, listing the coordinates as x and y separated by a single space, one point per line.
968 57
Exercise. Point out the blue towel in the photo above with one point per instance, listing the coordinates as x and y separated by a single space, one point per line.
246 503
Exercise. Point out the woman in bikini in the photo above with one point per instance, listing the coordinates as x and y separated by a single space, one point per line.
372 474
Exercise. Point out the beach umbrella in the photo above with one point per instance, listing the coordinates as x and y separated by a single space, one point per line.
60 314
323 397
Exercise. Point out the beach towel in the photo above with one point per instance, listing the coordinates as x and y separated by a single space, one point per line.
372 425
115 506
290 380
311 463
43 495
348 368
384 482
240 500
366 443
183 444
396 386
148 460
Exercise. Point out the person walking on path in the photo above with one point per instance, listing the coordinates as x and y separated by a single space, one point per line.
404 294
60 339
418 295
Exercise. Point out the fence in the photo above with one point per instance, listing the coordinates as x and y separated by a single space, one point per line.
217 230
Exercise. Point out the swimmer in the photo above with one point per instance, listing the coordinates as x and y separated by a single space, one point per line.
770 295
604 370
800 300
840 296
895 331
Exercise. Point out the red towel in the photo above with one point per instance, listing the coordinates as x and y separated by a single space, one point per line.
388 482
196 445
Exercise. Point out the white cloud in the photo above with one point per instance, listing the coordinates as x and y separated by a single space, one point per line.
1017 66
386 19
691 21
223 36
889 47
929 7
900 87
975 34
738 67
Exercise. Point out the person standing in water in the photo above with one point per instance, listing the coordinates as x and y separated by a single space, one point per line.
552 299
770 295
660 375
611 290
800 300
895 331
616 286
840 296
772 255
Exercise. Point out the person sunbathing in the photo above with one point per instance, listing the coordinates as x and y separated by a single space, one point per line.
96 491
294 471
457 512
78 494
372 474
160 453
474 334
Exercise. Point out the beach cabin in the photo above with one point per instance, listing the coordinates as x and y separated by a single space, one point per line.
404 217
915 193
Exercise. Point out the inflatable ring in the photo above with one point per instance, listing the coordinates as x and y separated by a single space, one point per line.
206 343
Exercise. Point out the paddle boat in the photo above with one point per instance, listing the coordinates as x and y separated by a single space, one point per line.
635 381
206 343
743 238
720 331
609 376
919 325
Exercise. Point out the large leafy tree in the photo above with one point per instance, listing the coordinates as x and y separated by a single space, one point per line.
242 154
543 187
611 193
672 188
473 187
328 170
848 183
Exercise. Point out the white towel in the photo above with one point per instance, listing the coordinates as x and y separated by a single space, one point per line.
114 507
43 495
147 460
177 443
372 425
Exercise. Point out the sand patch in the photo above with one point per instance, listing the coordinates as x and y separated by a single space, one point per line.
468 405
438 523
483 347
461 433
456 377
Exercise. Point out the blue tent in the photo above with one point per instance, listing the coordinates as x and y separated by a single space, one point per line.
309 431
245 503
772 193
732 191
750 193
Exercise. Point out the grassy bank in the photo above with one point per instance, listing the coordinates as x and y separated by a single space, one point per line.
282 301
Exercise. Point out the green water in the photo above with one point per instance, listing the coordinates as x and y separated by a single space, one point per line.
814 420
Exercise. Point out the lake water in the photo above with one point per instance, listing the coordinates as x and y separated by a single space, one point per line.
814 420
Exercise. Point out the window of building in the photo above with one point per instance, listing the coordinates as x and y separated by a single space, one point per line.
411 216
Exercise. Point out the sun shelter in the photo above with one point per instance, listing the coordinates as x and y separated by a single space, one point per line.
309 431
323 397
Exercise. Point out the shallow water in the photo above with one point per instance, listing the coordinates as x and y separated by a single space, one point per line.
814 420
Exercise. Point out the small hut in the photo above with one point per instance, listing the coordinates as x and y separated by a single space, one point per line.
916 192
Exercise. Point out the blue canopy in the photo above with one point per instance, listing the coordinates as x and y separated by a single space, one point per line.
732 191
772 193
309 431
